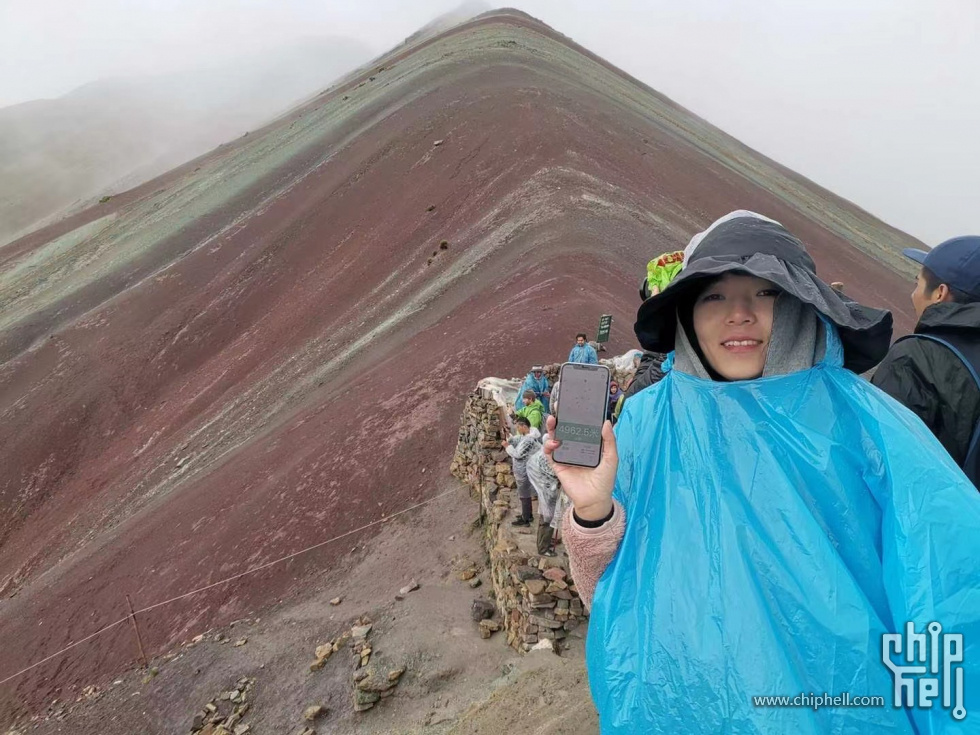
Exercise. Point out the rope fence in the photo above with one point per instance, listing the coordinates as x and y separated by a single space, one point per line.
133 613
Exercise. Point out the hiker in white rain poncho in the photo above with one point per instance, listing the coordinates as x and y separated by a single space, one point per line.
519 447
546 485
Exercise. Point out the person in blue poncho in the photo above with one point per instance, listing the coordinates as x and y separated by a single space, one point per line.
764 522
583 352
538 384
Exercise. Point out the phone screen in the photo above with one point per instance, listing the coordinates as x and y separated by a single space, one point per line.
583 397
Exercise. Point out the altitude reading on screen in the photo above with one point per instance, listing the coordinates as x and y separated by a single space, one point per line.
582 404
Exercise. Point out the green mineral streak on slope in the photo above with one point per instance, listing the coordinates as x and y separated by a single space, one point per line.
92 252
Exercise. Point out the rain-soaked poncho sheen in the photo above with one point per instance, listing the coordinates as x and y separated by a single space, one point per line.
775 529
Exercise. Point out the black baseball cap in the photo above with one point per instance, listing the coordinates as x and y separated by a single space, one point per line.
955 262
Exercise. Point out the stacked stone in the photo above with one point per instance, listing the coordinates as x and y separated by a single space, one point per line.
551 372
549 606
371 683
535 597
479 460
223 714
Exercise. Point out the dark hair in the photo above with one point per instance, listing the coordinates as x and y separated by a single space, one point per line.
933 282
523 421
685 315
583 335
529 394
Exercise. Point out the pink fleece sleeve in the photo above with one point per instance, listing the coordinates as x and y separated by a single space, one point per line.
591 549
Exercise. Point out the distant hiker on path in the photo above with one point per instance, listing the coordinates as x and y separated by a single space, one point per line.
583 352
520 447
538 383
933 372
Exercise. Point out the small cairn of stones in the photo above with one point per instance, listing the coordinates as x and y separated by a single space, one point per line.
372 683
223 714
324 652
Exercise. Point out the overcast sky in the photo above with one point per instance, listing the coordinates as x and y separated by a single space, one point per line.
878 100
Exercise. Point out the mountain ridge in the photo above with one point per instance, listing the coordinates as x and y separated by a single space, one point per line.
269 344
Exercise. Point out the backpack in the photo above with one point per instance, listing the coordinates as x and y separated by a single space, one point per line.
971 465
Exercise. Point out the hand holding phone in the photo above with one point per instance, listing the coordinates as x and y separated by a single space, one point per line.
581 413
589 489
581 443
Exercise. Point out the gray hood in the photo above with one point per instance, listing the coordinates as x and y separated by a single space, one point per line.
797 342
760 247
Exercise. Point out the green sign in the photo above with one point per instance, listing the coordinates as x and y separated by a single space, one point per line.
605 324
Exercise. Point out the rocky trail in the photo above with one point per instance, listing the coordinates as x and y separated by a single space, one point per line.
428 670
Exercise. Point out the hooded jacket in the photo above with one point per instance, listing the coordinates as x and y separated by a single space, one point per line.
773 530
520 447
585 354
932 382
613 402
545 483
648 373
538 385
533 413
745 242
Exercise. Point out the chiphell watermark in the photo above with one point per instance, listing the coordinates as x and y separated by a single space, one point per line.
929 661
926 669
816 701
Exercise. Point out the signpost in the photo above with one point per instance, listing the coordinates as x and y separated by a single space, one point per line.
605 324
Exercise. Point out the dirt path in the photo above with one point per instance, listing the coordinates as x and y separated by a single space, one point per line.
455 681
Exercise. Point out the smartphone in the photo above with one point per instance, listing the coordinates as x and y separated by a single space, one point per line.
582 402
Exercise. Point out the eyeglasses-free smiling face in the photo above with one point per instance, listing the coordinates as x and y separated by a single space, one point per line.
733 324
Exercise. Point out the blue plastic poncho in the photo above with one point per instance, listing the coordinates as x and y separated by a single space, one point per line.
775 529
538 385
585 353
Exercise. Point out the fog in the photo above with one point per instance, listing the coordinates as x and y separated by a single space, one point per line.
877 100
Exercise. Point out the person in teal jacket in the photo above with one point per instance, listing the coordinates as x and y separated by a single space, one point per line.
537 383
583 352
764 522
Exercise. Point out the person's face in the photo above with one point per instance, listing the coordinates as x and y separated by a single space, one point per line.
522 429
733 323
528 401
579 341
922 299
537 373
613 387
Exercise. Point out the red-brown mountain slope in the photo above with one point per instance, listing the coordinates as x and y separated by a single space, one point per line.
266 347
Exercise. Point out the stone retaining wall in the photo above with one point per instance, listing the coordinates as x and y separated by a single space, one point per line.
535 596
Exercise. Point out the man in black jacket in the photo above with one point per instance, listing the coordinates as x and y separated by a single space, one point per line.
926 375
